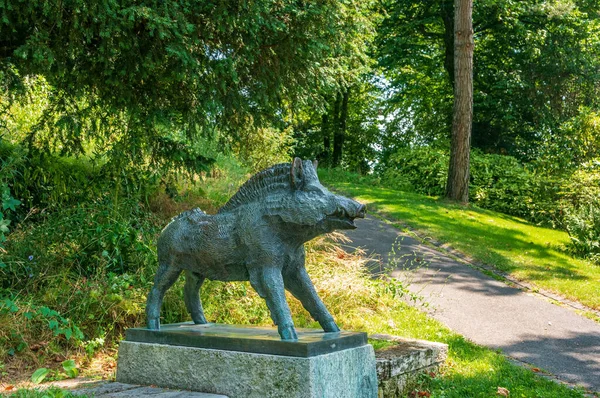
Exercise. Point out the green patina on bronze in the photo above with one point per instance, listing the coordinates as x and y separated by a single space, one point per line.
258 236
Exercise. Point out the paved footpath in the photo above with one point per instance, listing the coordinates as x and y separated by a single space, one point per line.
524 326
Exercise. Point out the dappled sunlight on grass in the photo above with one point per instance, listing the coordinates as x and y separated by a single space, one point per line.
512 245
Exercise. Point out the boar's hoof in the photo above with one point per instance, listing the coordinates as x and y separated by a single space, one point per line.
330 326
153 324
199 320
287 333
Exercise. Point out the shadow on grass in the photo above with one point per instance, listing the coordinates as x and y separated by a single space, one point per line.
487 372
490 370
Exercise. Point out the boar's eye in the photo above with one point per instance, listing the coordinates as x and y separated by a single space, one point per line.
313 188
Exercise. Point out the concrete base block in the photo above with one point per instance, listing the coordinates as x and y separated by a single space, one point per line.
349 373
399 366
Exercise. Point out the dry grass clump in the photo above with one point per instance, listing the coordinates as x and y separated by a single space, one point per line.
344 283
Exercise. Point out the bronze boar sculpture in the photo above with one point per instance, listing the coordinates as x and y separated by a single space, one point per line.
257 236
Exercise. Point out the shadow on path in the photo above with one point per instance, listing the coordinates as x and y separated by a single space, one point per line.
485 310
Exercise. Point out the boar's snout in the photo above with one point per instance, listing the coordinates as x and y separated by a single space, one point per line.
362 210
345 213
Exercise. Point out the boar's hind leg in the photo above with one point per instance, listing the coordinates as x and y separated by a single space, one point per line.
299 284
164 279
191 294
268 283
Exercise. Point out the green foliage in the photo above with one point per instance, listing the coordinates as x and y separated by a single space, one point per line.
581 207
535 75
52 392
315 129
421 169
99 236
39 375
9 164
70 368
224 180
34 319
497 182
134 86
259 148
583 225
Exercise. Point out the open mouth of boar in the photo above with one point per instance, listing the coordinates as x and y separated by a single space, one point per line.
342 219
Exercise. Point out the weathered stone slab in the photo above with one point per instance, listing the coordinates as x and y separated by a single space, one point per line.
348 373
400 365
255 339
121 390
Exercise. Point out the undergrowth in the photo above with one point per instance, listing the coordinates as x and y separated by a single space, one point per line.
79 277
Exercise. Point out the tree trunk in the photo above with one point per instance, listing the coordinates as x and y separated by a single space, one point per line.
340 130
447 10
335 124
326 155
457 187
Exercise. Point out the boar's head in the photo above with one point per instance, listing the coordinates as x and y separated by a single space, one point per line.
312 208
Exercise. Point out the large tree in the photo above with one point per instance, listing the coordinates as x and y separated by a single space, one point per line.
457 186
134 82
535 73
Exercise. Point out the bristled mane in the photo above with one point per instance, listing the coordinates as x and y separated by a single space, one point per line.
274 178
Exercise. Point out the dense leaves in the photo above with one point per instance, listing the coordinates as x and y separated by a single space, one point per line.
536 70
350 129
133 82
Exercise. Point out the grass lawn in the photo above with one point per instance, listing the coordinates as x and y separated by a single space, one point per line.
510 244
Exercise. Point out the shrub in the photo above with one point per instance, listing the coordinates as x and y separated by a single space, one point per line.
583 225
497 182
10 160
581 207
422 169
86 239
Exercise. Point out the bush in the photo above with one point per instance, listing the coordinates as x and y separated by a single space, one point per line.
497 182
422 169
86 239
581 208
10 160
501 183
583 225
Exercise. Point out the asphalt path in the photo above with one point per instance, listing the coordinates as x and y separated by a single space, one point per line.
525 326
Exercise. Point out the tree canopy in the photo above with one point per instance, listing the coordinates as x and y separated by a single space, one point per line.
536 72
131 81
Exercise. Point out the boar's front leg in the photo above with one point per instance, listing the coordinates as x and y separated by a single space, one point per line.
268 283
165 277
298 282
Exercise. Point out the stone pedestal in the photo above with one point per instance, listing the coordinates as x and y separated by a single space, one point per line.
249 362
399 366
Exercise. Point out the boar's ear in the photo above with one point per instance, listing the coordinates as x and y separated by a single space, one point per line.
315 163
296 172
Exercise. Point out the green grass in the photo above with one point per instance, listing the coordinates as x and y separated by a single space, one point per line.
470 370
356 301
512 245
